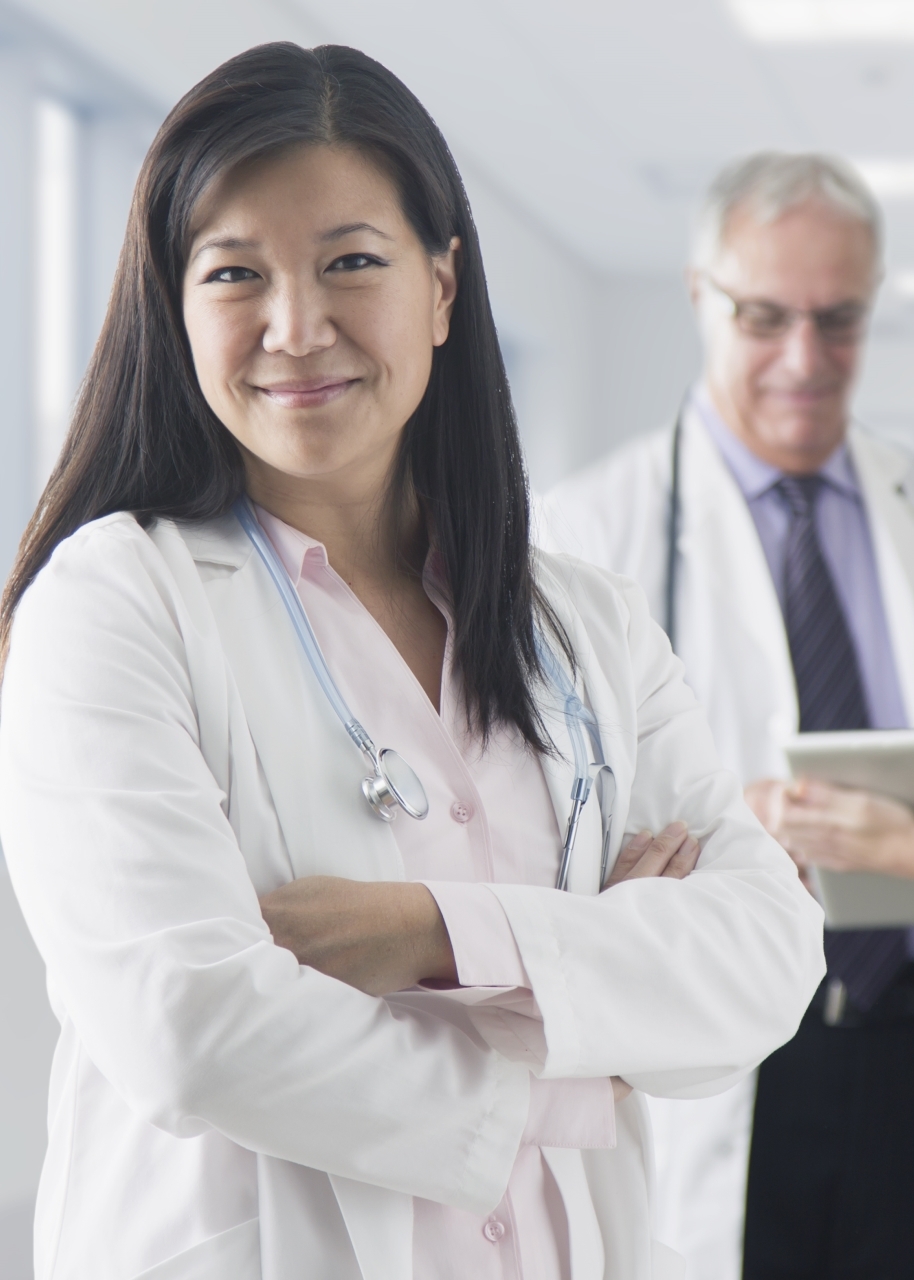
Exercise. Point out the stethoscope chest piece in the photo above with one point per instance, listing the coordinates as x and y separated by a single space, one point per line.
394 786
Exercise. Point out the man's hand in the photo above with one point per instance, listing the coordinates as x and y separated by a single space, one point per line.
836 827
378 936
672 854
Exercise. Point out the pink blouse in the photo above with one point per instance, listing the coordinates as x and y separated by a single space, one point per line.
490 820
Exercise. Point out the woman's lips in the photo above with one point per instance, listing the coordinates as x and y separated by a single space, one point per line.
307 395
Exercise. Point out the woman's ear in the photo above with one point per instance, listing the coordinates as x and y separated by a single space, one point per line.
445 268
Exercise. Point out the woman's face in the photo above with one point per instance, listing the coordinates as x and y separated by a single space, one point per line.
312 310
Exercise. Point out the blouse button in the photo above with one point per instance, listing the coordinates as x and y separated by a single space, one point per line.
461 812
494 1230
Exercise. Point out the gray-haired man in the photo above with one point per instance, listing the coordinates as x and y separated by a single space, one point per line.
789 591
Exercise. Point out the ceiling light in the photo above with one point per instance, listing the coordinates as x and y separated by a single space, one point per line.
824 20
888 179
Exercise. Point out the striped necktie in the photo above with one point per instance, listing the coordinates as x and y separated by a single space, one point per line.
830 694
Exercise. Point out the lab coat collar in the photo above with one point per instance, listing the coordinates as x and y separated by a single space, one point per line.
887 481
724 574
221 541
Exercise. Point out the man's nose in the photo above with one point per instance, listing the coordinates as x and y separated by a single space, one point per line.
298 321
803 351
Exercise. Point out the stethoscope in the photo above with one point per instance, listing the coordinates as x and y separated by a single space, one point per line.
674 514
392 784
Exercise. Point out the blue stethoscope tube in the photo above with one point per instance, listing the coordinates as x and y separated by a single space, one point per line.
394 784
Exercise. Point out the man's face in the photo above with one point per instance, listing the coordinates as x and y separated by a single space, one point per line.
786 396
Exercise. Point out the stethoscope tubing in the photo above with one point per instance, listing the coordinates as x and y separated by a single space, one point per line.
674 514
577 716
244 513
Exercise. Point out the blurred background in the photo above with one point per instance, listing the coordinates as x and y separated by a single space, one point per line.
585 130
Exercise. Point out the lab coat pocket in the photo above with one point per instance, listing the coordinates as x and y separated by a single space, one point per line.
234 1253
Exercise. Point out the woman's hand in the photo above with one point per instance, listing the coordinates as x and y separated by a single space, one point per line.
673 854
378 936
836 827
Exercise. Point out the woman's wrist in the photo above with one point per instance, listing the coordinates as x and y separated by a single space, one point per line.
435 955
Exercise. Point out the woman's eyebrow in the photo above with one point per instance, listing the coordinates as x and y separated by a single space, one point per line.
338 232
225 243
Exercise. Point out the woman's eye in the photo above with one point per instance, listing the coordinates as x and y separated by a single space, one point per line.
356 262
231 275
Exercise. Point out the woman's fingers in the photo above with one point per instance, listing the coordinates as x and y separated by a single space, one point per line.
630 856
683 860
673 854
656 858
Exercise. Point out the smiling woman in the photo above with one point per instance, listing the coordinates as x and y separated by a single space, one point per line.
293 1035
311 257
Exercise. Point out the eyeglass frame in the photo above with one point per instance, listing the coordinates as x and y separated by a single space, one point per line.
791 315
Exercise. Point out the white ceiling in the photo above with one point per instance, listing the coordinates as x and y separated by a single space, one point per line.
602 119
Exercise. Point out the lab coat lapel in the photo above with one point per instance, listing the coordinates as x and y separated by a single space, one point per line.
312 769
558 770
584 872
731 633
886 476
380 1226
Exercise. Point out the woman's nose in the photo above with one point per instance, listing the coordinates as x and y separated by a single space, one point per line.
298 322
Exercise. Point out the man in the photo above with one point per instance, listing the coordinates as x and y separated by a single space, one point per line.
788 592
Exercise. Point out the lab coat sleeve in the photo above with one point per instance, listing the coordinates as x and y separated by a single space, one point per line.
678 986
137 893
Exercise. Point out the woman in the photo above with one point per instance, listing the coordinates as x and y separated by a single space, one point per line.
412 1055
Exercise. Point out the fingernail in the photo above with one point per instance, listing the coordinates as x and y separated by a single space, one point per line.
641 840
675 829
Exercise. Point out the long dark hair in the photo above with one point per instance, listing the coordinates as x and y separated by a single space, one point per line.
143 438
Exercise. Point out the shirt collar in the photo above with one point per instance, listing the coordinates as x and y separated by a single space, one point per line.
756 477
294 548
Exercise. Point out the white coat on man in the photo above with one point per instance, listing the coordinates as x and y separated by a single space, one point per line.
216 1109
730 634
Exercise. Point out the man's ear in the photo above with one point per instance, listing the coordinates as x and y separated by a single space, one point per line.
692 277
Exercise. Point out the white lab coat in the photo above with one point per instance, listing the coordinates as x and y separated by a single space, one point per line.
219 1112
730 635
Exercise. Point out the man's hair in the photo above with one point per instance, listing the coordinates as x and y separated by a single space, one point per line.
769 183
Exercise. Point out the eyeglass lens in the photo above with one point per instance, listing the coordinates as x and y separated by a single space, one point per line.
843 323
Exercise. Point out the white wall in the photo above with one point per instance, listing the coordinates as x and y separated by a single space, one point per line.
593 358
548 310
651 354
29 1032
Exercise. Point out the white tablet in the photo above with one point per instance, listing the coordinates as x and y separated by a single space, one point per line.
874 760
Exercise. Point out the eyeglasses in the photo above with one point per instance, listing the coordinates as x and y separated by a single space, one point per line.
844 323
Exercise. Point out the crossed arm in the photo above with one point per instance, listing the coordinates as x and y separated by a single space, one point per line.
386 936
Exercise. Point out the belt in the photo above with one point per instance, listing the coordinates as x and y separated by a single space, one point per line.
896 1004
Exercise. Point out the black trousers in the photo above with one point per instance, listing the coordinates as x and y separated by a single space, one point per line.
831 1171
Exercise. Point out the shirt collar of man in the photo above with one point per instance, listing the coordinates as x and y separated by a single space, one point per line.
756 477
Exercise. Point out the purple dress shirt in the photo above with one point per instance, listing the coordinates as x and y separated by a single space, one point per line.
844 535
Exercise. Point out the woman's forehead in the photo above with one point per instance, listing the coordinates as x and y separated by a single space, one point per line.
314 183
